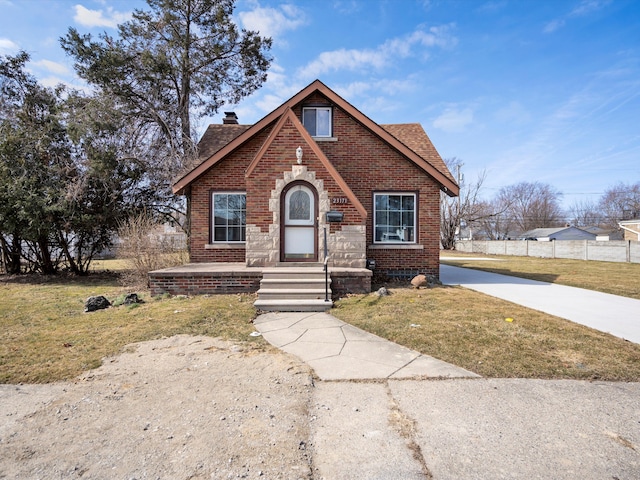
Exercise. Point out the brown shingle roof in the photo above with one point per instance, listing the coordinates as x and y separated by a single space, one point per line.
216 137
414 137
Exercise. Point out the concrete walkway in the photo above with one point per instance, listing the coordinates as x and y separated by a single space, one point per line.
619 316
407 428
339 351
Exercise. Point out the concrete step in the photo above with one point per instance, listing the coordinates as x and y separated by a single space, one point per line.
303 273
299 265
293 289
293 305
295 294
293 283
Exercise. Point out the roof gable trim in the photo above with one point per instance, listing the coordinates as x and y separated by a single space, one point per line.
288 115
446 184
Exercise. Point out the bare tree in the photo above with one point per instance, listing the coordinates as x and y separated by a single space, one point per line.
620 202
585 213
494 224
532 205
462 211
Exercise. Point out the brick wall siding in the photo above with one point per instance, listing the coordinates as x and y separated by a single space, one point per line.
227 175
369 165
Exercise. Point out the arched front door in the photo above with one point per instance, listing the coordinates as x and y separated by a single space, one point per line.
299 229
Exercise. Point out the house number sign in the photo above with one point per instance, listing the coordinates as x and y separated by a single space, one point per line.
339 200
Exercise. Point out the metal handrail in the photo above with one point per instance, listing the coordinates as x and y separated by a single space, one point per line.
326 267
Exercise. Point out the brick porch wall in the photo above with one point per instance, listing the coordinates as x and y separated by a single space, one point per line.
203 283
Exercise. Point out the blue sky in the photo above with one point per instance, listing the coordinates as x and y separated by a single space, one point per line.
529 90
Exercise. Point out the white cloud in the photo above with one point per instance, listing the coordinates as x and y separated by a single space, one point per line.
100 18
388 87
271 22
514 112
587 6
8 46
347 7
383 55
553 25
53 67
354 89
51 82
453 119
344 60
492 6
269 102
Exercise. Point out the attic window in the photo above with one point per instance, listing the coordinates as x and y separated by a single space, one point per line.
317 121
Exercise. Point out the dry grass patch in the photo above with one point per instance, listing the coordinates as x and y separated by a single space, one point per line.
111 265
469 329
46 336
608 277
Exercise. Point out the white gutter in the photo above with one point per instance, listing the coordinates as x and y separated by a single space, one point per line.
636 232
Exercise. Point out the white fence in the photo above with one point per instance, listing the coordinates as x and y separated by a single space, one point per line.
605 251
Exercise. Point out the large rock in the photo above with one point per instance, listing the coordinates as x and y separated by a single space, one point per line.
419 281
132 298
425 281
96 303
382 292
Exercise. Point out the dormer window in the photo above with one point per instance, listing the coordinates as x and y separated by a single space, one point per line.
317 121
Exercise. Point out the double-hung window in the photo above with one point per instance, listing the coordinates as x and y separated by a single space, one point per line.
229 212
317 121
394 218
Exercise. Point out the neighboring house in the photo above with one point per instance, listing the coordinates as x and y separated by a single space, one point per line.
562 233
266 194
604 234
631 229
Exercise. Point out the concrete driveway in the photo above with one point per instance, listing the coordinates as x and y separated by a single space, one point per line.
476 429
458 429
619 316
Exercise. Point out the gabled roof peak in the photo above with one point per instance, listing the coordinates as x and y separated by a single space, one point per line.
409 139
289 116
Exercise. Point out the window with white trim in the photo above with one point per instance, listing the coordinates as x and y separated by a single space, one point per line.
317 121
229 212
394 218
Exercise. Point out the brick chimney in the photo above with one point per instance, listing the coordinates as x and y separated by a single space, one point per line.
230 118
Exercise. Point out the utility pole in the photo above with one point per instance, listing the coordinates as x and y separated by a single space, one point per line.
460 180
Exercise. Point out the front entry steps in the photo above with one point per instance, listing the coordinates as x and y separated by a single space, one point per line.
293 289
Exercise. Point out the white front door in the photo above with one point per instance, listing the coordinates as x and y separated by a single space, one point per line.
300 232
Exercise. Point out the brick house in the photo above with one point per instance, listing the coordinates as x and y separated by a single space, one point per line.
268 195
